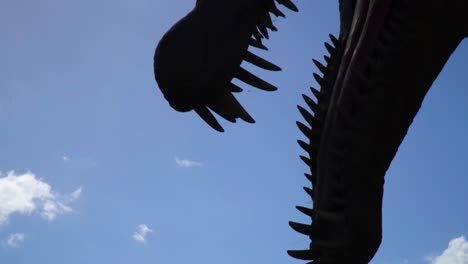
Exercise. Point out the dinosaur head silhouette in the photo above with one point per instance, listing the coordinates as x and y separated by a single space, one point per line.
198 57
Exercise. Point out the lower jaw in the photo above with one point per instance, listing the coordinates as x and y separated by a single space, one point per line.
384 76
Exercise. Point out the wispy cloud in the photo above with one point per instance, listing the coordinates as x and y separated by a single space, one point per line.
50 209
141 232
14 240
76 194
456 253
186 163
65 158
25 194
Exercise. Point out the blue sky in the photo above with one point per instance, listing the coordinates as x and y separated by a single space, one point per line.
97 168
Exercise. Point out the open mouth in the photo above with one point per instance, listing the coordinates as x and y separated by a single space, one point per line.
369 93
199 56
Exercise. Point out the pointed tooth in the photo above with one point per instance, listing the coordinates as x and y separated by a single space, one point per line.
234 88
306 160
329 216
257 44
309 191
327 59
307 116
304 129
273 9
307 254
320 66
334 40
301 228
235 107
310 103
319 80
330 49
257 35
304 146
260 62
264 31
311 178
265 19
305 210
253 80
288 4
206 115
226 106
316 92
247 118
220 110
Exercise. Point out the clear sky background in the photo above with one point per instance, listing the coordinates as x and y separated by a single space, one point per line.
97 168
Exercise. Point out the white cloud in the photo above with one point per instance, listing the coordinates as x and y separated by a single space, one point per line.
76 194
15 239
50 209
65 158
24 194
456 253
185 163
141 233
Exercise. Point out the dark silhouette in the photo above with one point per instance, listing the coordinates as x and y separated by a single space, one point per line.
198 57
373 82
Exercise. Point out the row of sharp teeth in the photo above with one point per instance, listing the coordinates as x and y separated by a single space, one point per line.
260 32
231 109
318 110
314 115
324 249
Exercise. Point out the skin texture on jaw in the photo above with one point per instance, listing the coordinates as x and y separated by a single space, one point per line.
369 94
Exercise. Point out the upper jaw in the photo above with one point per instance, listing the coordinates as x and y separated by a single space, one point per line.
199 56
